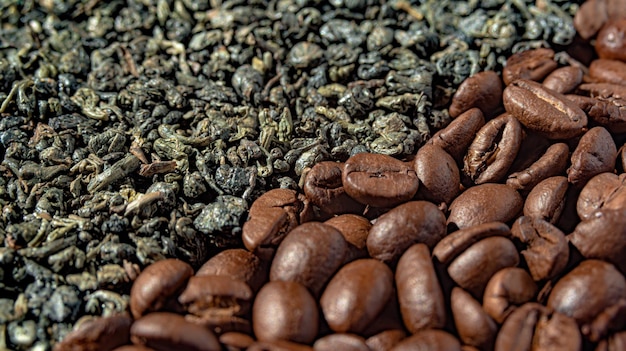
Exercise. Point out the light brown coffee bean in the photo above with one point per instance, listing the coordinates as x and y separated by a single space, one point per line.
403 226
309 255
608 71
557 332
493 150
605 190
285 310
552 163
482 90
438 175
356 295
323 186
507 289
341 341
532 64
237 264
385 340
474 326
157 285
564 80
611 40
429 340
355 230
485 203
419 293
547 199
164 331
544 111
456 242
459 134
596 153
100 333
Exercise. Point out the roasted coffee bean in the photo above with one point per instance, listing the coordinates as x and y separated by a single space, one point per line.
323 186
429 340
459 134
547 199
546 252
482 90
347 342
419 293
310 254
592 294
593 14
596 153
455 243
507 289
158 285
534 64
473 324
473 268
379 180
544 111
553 162
603 90
236 341
355 230
564 80
285 310
609 113
485 203
611 40
385 340
608 71
615 342
278 345
164 331
493 150
99 333
237 264
603 236
606 190
438 175
356 295
403 226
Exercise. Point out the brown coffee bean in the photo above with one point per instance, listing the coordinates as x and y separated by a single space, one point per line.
507 289
164 331
459 134
593 14
285 310
473 268
493 150
237 264
615 342
347 342
438 175
379 180
547 199
603 90
546 252
98 334
611 40
385 340
485 203
355 230
236 341
610 112
544 111
564 80
429 340
588 293
532 64
482 90
157 285
309 255
356 295
419 293
603 236
456 242
552 163
323 186
596 153
608 71
403 226
606 190
474 326
278 345
557 332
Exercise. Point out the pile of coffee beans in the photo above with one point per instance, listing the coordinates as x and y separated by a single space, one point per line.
507 231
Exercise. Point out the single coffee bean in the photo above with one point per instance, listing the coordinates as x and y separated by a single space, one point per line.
385 340
547 199
485 203
459 134
596 153
603 90
606 190
285 310
100 333
544 111
590 17
456 242
474 326
429 340
164 331
406 224
309 255
557 332
564 80
238 264
493 150
611 40
356 295
355 230
588 293
236 341
473 268
323 186
347 342
609 113
482 90
379 180
532 64
552 163
507 289
419 293
157 285
546 251
438 175
608 71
